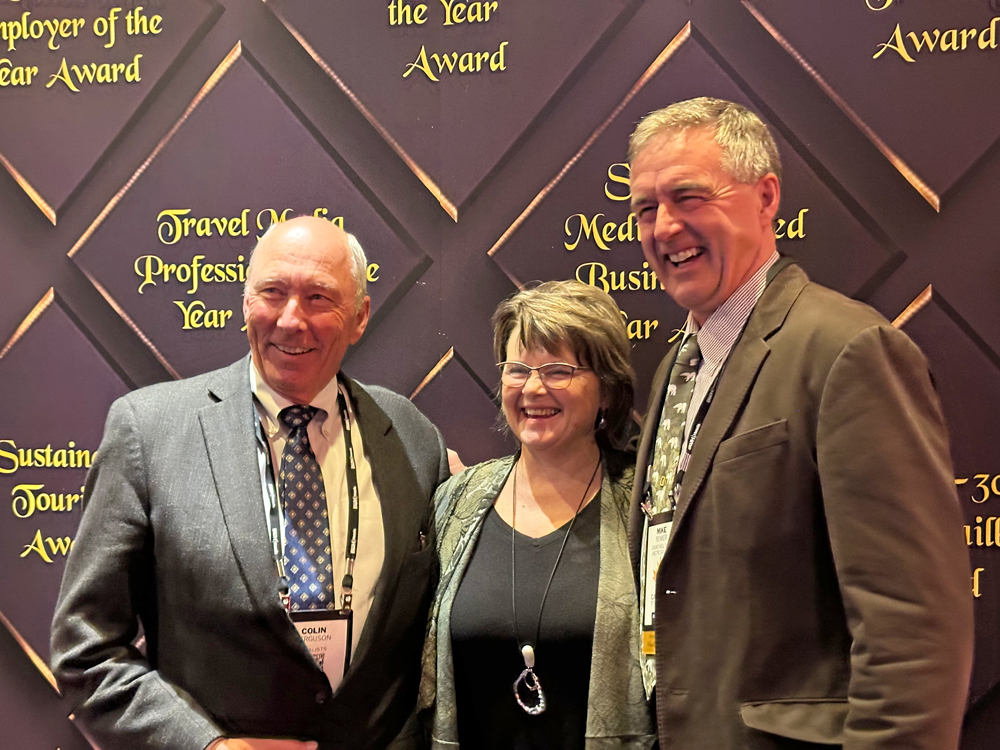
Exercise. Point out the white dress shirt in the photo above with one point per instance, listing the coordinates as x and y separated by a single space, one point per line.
326 436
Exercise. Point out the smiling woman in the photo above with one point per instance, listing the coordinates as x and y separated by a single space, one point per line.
554 517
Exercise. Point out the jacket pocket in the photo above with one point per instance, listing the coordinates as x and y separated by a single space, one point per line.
755 440
820 721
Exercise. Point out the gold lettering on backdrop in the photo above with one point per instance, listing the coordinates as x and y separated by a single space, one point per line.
976 576
322 212
984 532
273 217
28 499
196 316
985 487
454 13
792 230
618 174
452 62
478 12
58 546
56 28
95 73
950 40
174 224
878 4
151 268
16 75
639 329
597 274
13 458
578 227
54 31
402 14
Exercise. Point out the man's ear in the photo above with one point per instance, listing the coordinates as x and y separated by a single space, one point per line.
361 319
769 193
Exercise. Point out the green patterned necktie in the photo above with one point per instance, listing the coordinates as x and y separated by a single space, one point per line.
673 418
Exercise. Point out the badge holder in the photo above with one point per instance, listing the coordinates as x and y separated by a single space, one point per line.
657 535
328 635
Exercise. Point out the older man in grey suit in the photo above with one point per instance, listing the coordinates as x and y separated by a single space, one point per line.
236 514
795 525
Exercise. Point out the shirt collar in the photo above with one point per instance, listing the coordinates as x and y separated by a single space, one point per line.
271 403
717 337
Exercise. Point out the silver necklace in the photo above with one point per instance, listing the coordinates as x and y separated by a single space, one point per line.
528 678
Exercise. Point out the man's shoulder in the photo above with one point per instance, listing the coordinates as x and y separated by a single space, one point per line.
406 417
827 314
172 395
384 397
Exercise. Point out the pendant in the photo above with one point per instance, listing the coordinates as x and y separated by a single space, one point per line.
531 682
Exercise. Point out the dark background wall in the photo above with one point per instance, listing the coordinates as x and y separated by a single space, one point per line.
460 184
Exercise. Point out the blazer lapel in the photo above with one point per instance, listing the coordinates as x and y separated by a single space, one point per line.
228 428
403 508
737 378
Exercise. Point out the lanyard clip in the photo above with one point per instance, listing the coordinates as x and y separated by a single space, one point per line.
647 508
283 595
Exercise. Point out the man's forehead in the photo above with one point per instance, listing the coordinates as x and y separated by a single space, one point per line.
301 250
679 146
677 160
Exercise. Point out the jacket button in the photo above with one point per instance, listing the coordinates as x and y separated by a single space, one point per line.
322 696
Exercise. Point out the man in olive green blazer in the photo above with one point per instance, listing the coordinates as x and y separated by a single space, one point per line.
815 589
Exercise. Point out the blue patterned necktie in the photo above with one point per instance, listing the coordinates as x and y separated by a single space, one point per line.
307 527
673 418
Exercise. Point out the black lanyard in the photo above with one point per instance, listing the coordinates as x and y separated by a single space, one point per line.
353 512
275 514
699 420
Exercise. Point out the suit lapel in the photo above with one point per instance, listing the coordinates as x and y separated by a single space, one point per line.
737 378
399 497
228 428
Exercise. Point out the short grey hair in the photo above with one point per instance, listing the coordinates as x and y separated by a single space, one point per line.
359 269
359 265
748 149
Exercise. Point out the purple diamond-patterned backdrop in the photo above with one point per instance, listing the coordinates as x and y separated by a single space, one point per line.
246 111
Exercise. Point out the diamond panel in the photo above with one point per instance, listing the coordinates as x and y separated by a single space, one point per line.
170 250
452 128
901 72
451 387
33 715
55 129
46 444
961 368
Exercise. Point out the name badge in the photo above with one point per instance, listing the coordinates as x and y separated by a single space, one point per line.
657 534
327 635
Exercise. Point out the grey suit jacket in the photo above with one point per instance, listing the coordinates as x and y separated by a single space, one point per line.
815 591
174 537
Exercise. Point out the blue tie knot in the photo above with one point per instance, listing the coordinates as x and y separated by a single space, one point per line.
297 415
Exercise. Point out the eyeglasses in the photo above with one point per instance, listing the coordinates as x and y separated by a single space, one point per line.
554 375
